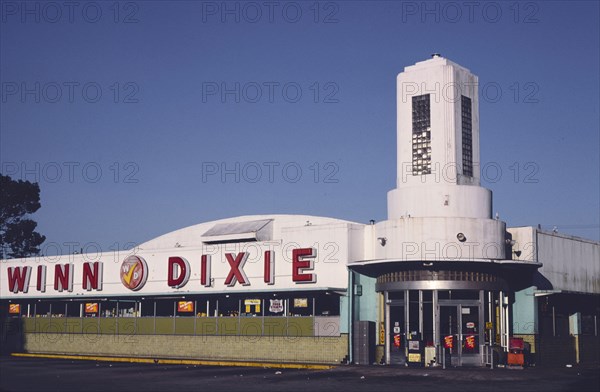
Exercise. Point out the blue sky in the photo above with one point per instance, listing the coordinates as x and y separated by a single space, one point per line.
124 111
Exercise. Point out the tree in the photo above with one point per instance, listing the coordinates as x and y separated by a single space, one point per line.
18 199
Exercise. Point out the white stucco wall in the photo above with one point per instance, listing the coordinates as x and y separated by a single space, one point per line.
569 263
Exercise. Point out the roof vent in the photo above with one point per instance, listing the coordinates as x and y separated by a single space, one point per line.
246 231
435 55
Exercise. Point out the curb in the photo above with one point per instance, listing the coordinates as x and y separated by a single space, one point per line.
166 361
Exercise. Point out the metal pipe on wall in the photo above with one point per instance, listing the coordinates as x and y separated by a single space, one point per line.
350 315
421 313
406 313
490 317
387 328
501 311
436 321
506 320
553 321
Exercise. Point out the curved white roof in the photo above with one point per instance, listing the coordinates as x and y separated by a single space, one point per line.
262 227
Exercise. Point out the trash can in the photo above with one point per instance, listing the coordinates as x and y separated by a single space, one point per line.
516 358
430 359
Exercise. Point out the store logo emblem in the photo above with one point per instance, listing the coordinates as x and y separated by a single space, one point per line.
134 273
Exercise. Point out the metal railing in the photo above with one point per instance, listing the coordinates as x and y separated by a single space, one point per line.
487 355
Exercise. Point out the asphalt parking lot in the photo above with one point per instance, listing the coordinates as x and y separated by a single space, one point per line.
39 374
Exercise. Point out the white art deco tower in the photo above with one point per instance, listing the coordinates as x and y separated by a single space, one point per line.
438 143
438 198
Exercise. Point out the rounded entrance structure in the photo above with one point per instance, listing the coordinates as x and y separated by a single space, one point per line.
457 312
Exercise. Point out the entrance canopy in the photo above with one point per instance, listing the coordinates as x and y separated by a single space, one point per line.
447 275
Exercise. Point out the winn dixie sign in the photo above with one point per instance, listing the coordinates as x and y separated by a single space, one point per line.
186 271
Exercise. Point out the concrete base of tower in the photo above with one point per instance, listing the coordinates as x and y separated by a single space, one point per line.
442 200
440 238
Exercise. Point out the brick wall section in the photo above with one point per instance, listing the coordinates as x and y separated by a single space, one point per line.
326 350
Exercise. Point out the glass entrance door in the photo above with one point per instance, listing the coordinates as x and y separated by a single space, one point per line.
460 334
397 336
470 328
450 334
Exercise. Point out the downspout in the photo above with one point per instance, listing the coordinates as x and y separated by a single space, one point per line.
350 308
537 258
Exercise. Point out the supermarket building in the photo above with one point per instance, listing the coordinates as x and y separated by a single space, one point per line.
307 289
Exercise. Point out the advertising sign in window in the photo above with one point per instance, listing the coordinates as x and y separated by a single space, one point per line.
185 306
249 303
449 341
301 302
276 305
470 342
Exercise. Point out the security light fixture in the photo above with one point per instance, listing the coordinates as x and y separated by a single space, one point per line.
382 240
461 237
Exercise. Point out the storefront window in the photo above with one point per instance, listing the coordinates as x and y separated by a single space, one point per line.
147 308
444 294
164 308
49 309
396 295
201 307
301 306
73 309
229 306
428 319
413 312
108 309
127 308
18 309
458 294
327 305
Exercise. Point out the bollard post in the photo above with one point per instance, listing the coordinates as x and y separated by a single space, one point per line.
443 358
